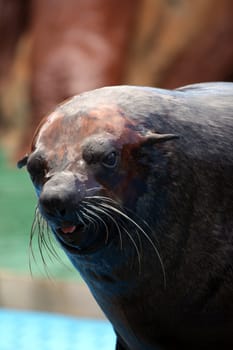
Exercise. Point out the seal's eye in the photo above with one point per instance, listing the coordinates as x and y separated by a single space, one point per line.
110 160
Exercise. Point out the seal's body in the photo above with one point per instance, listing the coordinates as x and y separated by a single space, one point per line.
137 186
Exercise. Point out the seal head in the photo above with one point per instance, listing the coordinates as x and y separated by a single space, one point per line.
78 158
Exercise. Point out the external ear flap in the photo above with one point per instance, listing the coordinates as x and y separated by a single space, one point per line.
152 138
22 162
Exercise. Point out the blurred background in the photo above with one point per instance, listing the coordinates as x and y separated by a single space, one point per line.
53 49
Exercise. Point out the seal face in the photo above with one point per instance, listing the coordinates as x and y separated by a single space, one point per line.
136 184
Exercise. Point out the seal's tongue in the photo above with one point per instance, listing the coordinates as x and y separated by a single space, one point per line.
68 229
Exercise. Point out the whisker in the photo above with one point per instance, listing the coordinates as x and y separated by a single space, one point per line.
44 243
126 231
40 241
32 234
97 188
51 244
116 205
111 218
100 219
136 248
104 199
79 217
89 218
111 208
139 241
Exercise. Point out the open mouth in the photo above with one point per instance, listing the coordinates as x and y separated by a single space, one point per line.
70 234
71 228
80 239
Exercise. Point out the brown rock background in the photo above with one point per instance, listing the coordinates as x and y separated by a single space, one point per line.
179 42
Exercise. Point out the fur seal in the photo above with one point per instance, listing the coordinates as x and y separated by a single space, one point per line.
136 184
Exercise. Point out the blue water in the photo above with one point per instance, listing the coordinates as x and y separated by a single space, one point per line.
23 330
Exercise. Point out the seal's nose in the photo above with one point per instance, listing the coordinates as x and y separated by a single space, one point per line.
59 195
53 203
